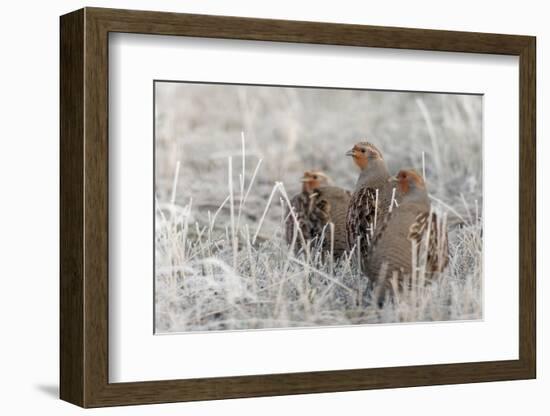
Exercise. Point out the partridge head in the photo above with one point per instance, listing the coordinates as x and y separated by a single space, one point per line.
365 155
411 186
314 179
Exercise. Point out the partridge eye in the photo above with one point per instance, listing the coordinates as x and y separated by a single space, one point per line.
362 150
314 176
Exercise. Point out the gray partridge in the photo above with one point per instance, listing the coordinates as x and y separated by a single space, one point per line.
318 205
411 226
371 198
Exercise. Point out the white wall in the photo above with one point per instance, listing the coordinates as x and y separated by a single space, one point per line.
29 205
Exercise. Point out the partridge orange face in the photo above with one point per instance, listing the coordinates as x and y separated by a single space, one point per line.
407 179
363 153
313 179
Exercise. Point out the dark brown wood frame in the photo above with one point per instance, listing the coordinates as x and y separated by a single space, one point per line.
84 207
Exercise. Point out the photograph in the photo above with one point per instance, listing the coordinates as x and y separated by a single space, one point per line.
310 206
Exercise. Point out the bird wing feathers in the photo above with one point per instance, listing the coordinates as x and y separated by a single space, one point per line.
430 236
361 215
314 211
300 207
391 245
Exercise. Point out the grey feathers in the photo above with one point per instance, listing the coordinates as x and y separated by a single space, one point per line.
412 239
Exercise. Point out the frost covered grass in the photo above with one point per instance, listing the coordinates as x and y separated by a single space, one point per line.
222 261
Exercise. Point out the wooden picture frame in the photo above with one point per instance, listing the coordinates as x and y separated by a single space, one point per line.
84 207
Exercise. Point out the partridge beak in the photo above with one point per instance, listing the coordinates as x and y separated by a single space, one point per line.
305 180
350 152
393 179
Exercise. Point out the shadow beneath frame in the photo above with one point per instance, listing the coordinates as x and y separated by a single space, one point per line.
51 390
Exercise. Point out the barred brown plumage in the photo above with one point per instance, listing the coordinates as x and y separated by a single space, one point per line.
315 208
437 251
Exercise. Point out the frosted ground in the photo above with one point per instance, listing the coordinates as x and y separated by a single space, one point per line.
221 259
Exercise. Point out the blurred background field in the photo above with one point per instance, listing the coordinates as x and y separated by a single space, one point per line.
205 277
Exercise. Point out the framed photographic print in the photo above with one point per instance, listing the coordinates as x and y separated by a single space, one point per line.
256 207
